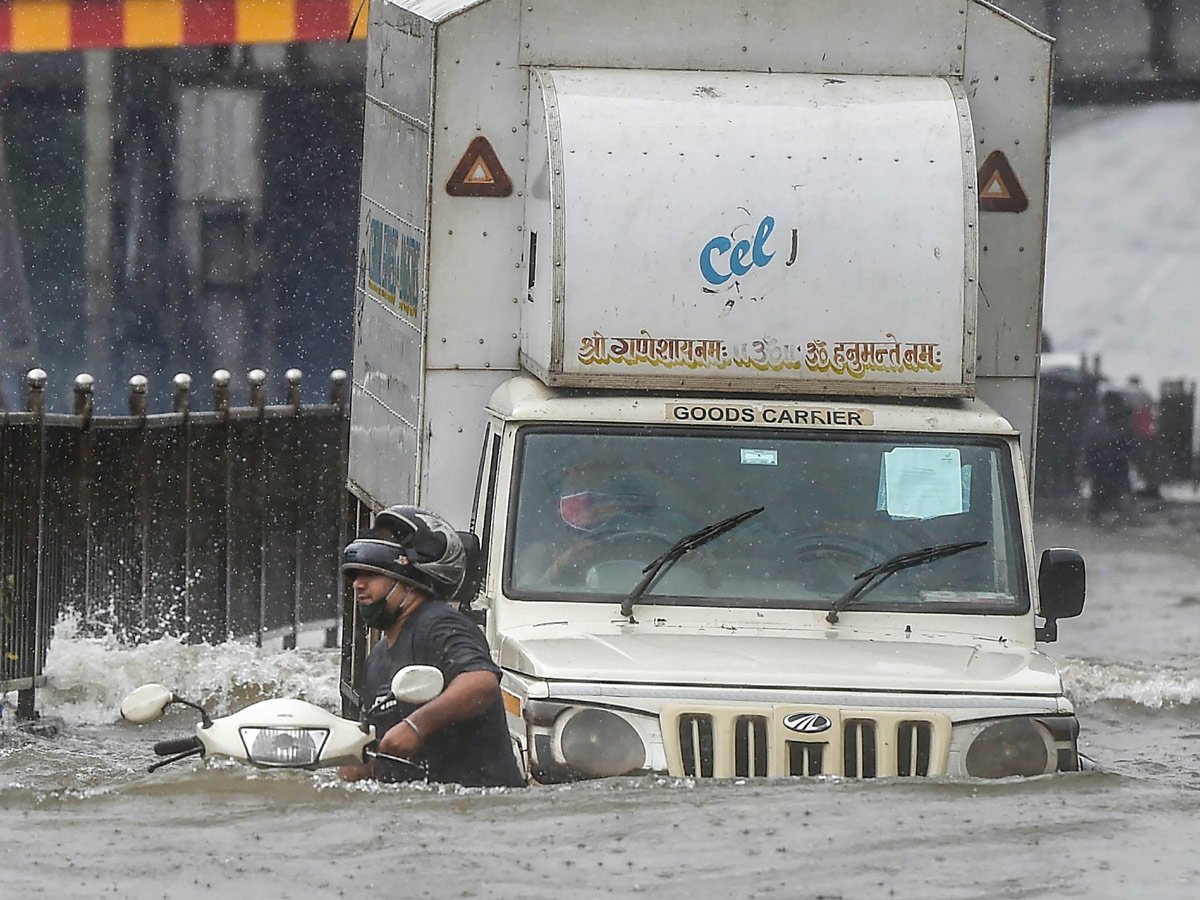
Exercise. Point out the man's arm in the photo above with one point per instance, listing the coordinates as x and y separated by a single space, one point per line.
465 697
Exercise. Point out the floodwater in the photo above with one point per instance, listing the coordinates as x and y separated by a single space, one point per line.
79 815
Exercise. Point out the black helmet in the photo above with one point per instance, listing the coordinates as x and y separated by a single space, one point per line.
426 552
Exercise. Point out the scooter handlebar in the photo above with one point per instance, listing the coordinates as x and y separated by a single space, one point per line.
177 745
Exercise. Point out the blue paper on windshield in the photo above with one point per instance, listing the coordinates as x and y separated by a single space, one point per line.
921 482
759 457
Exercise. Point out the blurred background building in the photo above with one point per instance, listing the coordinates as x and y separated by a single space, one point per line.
178 189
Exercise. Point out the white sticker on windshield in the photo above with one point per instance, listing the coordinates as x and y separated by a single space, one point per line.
760 457
922 482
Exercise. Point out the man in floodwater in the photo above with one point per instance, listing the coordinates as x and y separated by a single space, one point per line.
402 570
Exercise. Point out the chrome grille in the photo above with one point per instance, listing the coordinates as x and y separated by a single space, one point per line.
724 742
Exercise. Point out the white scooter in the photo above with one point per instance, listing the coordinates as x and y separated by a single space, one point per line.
280 733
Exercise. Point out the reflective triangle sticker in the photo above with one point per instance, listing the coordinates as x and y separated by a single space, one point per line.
479 173
999 190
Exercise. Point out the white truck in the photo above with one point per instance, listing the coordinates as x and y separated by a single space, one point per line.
719 322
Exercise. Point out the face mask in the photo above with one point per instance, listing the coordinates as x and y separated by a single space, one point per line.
587 511
377 614
591 510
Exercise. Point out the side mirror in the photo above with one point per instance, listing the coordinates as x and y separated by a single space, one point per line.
146 704
417 684
1062 584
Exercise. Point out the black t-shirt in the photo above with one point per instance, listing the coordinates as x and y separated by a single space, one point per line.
475 752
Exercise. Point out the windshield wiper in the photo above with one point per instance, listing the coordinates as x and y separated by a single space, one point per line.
658 567
871 578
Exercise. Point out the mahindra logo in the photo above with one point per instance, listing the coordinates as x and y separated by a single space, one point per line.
807 723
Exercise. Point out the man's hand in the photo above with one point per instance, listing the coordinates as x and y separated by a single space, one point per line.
400 740
357 771
465 697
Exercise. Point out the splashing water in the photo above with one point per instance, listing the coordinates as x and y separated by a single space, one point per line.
1089 681
87 676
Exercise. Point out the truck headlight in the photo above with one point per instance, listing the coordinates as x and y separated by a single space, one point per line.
1011 747
283 746
597 743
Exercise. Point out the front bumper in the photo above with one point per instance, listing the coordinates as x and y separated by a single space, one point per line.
751 740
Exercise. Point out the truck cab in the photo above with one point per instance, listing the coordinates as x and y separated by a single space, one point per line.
733 661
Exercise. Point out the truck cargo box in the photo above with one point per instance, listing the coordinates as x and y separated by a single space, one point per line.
747 231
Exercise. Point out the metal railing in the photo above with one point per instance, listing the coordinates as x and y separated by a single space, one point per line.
211 525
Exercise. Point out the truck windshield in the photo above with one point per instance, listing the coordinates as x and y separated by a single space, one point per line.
593 506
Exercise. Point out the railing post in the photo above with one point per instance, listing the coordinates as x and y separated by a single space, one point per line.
220 386
84 385
258 394
140 464
294 377
181 404
35 400
182 399
255 469
138 397
82 407
220 383
337 388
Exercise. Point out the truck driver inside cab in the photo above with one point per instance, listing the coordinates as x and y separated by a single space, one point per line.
402 570
592 516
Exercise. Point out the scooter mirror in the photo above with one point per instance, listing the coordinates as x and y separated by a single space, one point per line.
417 684
146 704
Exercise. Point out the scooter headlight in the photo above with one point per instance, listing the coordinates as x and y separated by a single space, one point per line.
597 743
283 747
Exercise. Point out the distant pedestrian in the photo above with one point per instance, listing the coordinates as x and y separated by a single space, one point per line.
1105 458
1143 424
